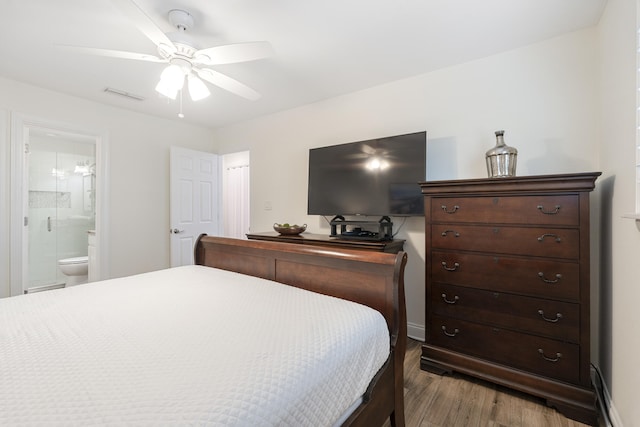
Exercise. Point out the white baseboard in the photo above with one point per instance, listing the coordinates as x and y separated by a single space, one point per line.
614 417
415 331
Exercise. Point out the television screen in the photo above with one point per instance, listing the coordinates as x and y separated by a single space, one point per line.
373 177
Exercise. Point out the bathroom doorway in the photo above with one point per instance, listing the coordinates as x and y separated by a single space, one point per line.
58 174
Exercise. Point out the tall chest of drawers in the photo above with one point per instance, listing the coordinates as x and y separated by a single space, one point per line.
507 285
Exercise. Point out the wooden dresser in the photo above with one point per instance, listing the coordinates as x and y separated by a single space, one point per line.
507 285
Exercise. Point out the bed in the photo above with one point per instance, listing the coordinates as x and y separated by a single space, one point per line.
256 333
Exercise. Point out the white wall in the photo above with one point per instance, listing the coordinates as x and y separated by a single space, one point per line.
620 273
138 151
5 192
542 95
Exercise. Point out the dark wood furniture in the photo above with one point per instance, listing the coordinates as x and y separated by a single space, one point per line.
391 246
371 278
507 285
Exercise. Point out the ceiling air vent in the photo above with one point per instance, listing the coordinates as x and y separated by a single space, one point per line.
124 93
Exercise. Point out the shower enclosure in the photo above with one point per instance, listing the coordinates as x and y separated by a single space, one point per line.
61 204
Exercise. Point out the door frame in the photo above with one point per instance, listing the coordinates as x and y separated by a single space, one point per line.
19 131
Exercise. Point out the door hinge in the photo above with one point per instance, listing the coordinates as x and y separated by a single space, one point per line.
26 221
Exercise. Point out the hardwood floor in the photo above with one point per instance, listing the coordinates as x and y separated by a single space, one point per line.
457 400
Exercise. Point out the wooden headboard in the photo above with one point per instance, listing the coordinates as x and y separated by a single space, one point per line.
375 279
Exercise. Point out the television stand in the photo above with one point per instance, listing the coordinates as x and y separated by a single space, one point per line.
390 246
362 230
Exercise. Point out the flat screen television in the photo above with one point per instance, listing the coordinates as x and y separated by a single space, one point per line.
377 177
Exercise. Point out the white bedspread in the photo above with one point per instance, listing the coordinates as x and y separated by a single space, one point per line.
185 346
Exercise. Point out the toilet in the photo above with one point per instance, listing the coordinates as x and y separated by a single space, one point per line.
76 269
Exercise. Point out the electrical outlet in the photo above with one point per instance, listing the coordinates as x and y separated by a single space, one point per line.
267 206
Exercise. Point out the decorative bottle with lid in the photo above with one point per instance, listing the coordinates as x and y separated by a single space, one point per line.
501 159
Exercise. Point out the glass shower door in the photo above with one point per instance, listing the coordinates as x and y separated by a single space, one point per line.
59 215
44 199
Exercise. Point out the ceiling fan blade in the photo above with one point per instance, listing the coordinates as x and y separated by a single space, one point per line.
111 53
227 83
143 22
231 53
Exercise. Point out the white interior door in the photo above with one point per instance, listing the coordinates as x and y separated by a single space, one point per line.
194 199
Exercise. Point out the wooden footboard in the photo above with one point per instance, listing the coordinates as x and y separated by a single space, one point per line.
374 279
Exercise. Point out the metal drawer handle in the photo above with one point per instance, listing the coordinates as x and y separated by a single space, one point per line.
558 317
545 280
455 208
449 334
455 233
455 299
541 238
541 209
454 268
549 359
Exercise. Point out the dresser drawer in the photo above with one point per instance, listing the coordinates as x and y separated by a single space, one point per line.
553 319
528 276
545 209
543 356
533 241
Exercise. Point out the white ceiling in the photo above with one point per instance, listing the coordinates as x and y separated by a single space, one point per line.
323 48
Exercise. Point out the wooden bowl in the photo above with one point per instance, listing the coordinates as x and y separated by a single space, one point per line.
292 230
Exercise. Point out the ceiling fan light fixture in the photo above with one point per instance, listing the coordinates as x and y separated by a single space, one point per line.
197 89
174 76
171 81
165 89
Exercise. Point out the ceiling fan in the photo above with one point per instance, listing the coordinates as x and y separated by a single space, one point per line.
185 61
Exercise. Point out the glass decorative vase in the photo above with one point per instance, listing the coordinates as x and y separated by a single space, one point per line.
501 159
